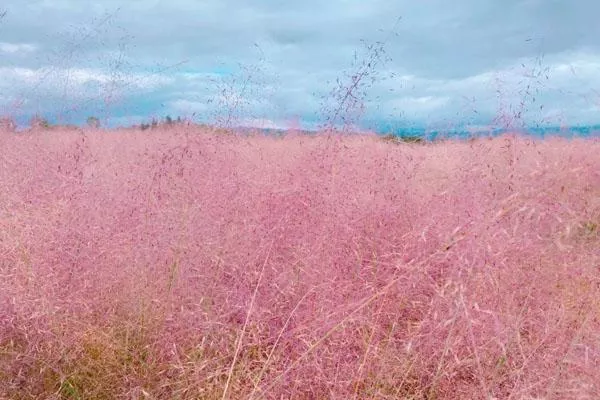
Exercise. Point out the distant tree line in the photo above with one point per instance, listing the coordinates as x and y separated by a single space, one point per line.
7 123
168 121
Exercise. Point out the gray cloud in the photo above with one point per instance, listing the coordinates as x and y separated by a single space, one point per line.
460 61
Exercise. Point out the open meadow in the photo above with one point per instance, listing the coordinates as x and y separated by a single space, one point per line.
178 263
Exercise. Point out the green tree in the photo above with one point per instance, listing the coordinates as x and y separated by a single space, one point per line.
93 122
39 122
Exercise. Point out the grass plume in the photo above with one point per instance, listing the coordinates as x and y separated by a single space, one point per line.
134 265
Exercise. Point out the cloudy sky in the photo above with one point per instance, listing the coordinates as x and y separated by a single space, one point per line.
430 63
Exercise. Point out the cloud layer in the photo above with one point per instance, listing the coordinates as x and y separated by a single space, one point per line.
468 62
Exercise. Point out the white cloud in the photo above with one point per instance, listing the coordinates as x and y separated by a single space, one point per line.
50 77
187 107
12 48
420 106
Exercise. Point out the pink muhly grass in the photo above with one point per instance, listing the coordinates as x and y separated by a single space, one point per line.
182 263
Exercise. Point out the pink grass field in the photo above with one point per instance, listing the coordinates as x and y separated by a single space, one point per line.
183 264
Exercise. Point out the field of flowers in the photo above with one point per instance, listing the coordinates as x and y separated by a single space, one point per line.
178 263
